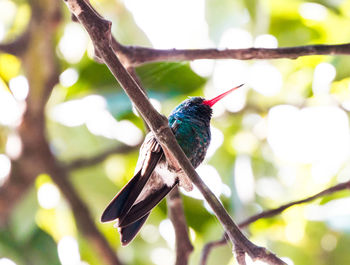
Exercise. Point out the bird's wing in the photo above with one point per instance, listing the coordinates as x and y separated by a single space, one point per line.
157 187
124 200
132 205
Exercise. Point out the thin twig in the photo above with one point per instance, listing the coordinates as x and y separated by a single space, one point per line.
273 212
176 214
209 246
99 30
270 213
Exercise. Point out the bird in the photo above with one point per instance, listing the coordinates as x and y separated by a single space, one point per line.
154 176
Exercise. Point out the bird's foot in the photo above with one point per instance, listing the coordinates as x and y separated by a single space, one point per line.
184 181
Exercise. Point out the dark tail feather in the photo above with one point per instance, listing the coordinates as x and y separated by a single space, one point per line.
128 233
145 206
123 201
117 206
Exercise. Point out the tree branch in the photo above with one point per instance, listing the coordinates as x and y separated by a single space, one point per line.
132 56
176 214
270 213
273 212
209 246
99 30
140 55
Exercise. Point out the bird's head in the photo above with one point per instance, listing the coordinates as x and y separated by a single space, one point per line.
200 107
212 101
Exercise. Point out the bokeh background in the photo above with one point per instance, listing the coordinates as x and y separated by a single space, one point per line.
283 136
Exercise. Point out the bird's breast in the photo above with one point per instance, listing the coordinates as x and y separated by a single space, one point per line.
194 139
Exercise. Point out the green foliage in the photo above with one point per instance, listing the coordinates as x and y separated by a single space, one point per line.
39 248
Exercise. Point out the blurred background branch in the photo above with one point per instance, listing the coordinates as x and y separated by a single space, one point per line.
37 50
270 213
209 247
81 213
42 76
183 245
276 211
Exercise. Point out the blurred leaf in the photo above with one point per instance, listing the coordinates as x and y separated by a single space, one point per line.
8 246
196 214
39 249
9 66
88 252
23 217
252 8
74 139
333 5
341 63
222 16
292 32
170 78
93 77
340 254
22 18
335 196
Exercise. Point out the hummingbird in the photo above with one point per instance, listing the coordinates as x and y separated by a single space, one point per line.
154 176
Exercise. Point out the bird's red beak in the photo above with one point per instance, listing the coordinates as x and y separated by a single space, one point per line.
211 102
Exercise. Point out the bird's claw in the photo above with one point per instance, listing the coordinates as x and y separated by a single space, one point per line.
184 180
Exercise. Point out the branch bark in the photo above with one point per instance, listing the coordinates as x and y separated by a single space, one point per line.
140 55
183 245
270 213
132 56
99 30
